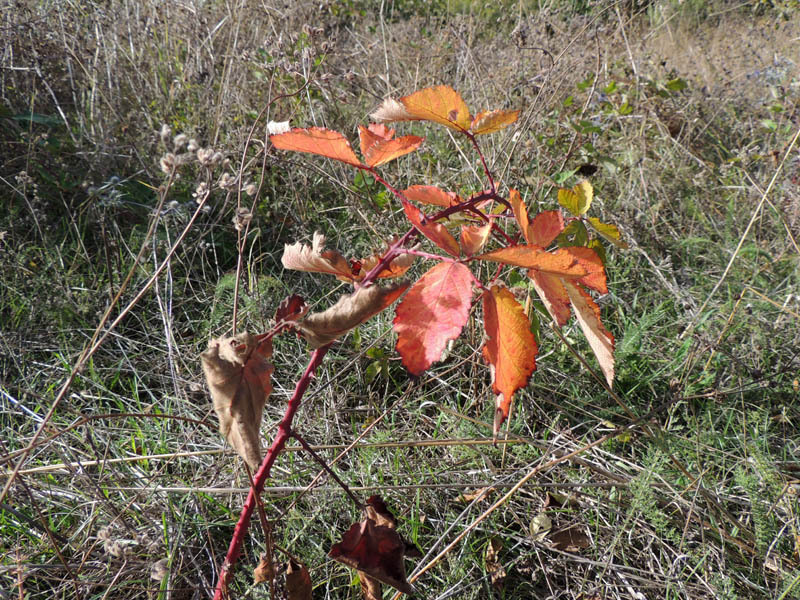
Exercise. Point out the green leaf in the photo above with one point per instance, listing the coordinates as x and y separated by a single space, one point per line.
770 124
578 199
608 231
676 85
574 234
610 88
598 247
625 109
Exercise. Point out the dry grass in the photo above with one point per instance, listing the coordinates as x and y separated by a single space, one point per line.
696 499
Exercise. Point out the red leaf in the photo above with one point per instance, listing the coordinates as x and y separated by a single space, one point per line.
558 262
432 313
379 149
600 340
545 227
396 268
430 194
553 294
435 232
510 348
595 277
317 140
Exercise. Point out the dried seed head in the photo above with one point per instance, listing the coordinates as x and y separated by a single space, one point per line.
250 189
159 570
204 155
178 141
168 163
193 145
242 219
165 133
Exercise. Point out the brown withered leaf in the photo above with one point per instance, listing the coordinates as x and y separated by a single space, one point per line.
375 551
570 540
238 375
482 493
494 567
298 581
290 309
264 571
350 311
315 258
396 268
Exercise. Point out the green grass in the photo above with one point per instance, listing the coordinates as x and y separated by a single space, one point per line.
699 500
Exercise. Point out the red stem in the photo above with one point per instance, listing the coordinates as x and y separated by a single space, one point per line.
260 478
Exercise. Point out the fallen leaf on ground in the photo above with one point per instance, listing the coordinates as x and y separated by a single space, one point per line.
482 493
497 572
350 311
570 540
238 375
540 527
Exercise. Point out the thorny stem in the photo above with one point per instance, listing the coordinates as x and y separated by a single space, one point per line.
483 160
260 478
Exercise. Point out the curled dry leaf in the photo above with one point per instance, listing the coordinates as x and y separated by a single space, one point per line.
290 309
238 375
375 550
298 581
570 540
315 258
350 311
264 571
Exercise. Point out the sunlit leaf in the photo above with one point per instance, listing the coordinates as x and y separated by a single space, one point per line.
378 149
435 232
510 347
317 140
595 277
578 199
490 121
550 289
520 214
432 313
599 338
608 231
315 258
474 237
440 104
558 262
239 376
349 311
430 194
546 226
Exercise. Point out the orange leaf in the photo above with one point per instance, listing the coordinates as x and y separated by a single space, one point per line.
545 227
433 312
378 147
510 348
520 214
595 277
441 104
435 232
374 133
600 340
317 140
490 121
474 237
553 294
558 262
315 258
396 268
238 375
430 194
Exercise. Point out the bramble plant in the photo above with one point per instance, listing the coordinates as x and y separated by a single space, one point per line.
560 251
